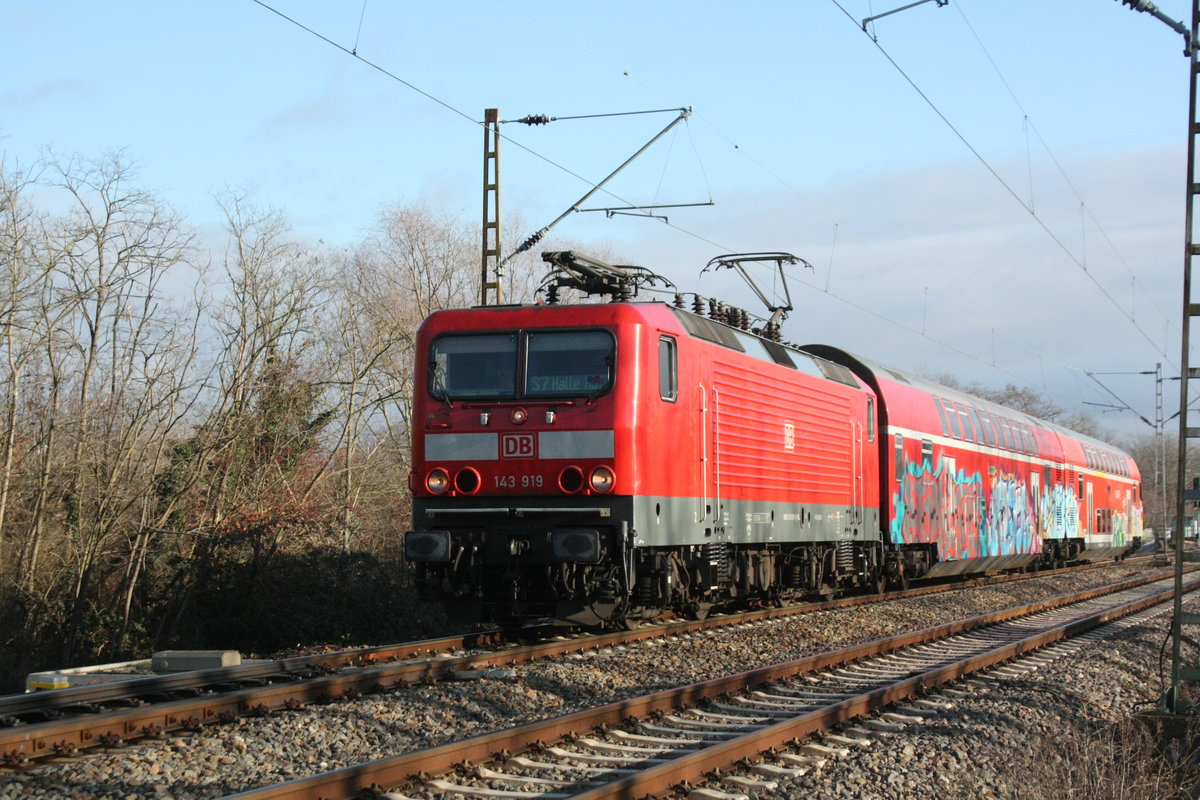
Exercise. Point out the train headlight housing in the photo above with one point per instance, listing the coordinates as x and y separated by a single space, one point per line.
437 481
467 481
570 480
576 544
602 480
427 545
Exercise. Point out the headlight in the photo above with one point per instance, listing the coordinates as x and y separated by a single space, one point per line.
467 481
427 545
603 479
437 481
576 545
570 480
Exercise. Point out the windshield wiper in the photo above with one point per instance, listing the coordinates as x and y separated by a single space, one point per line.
439 386
606 383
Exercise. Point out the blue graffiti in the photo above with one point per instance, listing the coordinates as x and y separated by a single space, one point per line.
1059 513
1010 519
938 505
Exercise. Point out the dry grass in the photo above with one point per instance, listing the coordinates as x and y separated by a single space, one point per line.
1117 761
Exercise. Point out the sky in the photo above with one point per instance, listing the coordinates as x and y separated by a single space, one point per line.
990 190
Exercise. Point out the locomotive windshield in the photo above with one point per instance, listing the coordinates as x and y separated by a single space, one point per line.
475 366
566 363
488 365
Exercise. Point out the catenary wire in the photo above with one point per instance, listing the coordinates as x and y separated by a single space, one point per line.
1031 125
1012 192
735 145
835 223
384 71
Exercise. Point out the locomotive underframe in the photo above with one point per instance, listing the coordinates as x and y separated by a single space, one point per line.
588 565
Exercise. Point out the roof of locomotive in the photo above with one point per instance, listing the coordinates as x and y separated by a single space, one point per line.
737 338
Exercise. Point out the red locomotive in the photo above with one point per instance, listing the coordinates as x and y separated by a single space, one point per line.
597 463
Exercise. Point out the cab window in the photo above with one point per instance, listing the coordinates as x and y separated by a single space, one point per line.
521 365
568 363
479 365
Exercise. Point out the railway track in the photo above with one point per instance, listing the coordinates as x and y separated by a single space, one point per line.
64 722
761 719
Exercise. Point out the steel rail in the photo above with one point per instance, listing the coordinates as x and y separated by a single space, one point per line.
21 743
289 668
402 769
692 767
285 668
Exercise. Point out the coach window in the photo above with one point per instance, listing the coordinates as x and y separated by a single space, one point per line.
899 457
994 421
952 415
937 403
1006 426
668 369
968 432
980 431
985 424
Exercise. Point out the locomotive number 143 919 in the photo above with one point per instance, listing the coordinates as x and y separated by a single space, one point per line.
515 481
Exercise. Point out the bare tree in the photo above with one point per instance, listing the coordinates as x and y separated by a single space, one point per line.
265 325
109 377
22 282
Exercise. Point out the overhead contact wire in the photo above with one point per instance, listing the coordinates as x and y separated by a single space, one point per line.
1013 193
1030 124
382 70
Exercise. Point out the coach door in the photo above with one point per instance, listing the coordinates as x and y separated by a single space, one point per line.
1089 525
1035 490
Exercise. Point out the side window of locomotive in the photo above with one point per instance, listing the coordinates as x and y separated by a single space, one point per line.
476 365
870 419
568 363
668 369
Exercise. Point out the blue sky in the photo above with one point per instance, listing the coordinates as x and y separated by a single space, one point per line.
804 135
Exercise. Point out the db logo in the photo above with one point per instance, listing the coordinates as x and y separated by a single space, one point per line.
518 445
